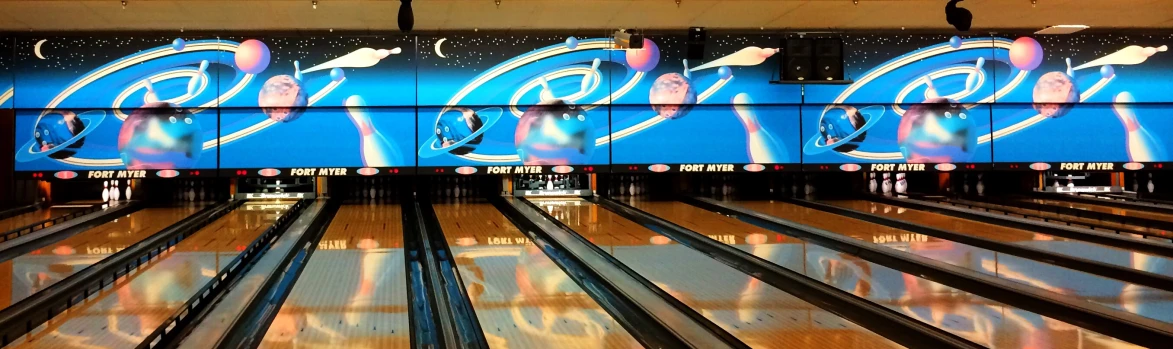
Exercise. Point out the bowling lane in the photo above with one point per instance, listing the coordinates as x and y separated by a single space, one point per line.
1101 208
27 218
521 297
964 314
122 315
1075 248
760 315
1144 301
1087 222
352 292
46 266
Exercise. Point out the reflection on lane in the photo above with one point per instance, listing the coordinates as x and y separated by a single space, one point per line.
1142 300
352 292
978 319
1101 209
1102 253
27 218
759 314
122 315
521 297
1044 215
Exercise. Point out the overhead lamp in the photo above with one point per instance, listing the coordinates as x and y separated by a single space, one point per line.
315 4
123 4
959 17
406 17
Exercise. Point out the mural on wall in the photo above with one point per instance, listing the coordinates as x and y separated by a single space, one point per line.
721 110
6 82
334 105
913 99
116 103
1084 98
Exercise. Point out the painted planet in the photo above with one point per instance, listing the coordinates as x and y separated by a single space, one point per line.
158 136
178 44
1026 53
955 42
644 59
337 74
1054 94
672 96
1107 72
572 43
252 56
282 98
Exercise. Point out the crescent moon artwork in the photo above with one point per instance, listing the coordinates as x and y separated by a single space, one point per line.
37 49
438 43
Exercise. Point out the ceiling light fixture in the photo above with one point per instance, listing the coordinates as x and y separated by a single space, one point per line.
498 2
959 17
1033 3
855 2
406 16
123 4
315 4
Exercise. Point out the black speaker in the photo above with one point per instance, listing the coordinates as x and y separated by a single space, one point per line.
636 42
696 43
797 60
829 59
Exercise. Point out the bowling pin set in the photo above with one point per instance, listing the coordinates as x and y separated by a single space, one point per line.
373 188
886 184
192 191
112 191
628 185
455 187
550 182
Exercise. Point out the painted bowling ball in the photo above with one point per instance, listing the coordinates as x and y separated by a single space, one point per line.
838 124
160 136
458 125
672 96
54 130
1054 94
939 130
554 133
282 98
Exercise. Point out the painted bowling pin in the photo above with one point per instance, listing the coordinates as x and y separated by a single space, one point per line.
150 96
763 147
589 77
547 94
748 56
972 80
930 90
360 58
887 185
1127 56
872 183
194 84
1070 72
375 150
297 70
687 73
1142 146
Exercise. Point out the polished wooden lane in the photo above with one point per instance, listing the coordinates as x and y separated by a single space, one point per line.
352 292
522 298
27 218
1044 216
122 315
43 267
1076 248
1005 326
758 314
1101 208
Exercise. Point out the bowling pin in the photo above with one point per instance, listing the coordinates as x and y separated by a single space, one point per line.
370 189
589 77
115 192
297 70
202 191
198 80
631 187
981 188
549 183
448 188
972 80
1151 186
546 94
360 58
456 191
1141 146
761 146
872 182
128 191
1070 72
150 96
375 150
687 73
887 185
105 191
901 184
930 90
748 56
1127 56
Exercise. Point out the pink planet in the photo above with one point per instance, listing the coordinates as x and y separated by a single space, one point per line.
644 59
1026 53
252 56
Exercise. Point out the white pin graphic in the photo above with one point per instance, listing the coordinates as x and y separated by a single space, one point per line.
198 80
972 79
375 150
1141 145
1127 56
930 90
546 94
1070 72
762 147
748 56
589 77
150 96
687 73
360 58
297 70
